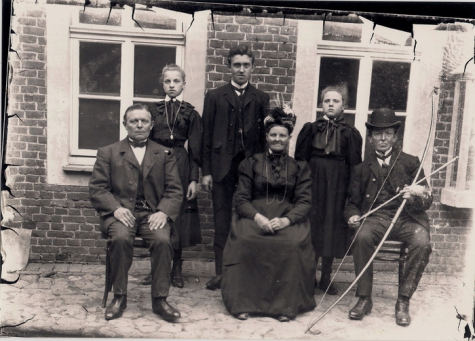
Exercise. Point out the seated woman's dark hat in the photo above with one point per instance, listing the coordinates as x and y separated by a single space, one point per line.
278 116
383 118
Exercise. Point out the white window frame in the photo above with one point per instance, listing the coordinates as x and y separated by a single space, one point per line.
366 54
459 194
128 36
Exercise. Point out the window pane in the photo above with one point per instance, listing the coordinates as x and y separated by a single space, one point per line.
389 85
150 19
99 68
99 123
149 62
101 16
339 71
341 31
400 136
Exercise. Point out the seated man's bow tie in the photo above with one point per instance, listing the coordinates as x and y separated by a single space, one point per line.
138 144
384 157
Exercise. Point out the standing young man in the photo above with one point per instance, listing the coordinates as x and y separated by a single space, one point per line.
233 124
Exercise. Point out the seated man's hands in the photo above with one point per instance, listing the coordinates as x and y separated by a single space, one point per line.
354 222
264 224
124 215
157 220
279 223
407 192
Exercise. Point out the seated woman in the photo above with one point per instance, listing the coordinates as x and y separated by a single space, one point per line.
269 263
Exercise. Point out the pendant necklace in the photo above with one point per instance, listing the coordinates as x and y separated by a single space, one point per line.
267 182
174 121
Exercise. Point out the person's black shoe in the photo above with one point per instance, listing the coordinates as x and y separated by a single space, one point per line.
147 280
116 307
402 312
325 283
161 307
176 276
214 283
363 307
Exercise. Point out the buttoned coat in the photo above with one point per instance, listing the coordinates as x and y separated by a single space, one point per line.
364 186
115 178
219 117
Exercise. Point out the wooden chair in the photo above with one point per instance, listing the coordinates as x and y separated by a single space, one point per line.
138 243
393 251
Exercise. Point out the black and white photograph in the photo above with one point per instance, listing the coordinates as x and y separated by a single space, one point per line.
238 170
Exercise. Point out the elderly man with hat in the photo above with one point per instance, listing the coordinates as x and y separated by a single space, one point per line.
383 174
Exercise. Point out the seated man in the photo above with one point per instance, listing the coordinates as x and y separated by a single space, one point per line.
136 190
381 175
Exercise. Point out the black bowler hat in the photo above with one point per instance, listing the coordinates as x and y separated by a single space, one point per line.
383 118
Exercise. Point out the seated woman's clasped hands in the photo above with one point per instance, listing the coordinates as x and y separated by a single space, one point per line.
271 226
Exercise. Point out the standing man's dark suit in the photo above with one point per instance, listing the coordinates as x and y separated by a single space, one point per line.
233 130
137 198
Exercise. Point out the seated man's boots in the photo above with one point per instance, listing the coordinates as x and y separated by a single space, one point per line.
161 307
402 311
363 307
176 276
116 307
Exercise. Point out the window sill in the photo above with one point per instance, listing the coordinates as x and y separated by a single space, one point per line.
457 198
78 168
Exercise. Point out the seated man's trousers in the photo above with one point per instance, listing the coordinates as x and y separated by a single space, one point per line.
415 238
121 253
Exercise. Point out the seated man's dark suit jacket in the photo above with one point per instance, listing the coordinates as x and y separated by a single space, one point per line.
364 187
115 178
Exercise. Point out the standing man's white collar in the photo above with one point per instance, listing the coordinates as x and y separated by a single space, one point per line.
233 83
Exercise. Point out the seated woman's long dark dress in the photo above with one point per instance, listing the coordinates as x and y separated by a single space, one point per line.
270 274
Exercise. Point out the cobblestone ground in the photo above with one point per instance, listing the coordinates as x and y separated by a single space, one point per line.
65 300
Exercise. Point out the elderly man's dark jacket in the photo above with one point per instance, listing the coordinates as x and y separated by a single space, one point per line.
115 179
219 116
364 186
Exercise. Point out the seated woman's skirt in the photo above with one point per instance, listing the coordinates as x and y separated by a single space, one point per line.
268 274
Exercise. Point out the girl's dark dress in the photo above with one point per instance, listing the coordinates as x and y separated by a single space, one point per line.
186 126
332 149
270 274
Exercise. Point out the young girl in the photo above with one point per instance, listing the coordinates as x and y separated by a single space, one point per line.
332 148
175 123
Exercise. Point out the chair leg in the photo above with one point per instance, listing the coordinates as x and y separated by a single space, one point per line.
108 284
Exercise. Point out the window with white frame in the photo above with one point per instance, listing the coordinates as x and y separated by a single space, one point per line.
116 62
459 187
376 71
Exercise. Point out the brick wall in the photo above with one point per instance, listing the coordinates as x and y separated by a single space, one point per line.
450 226
63 222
